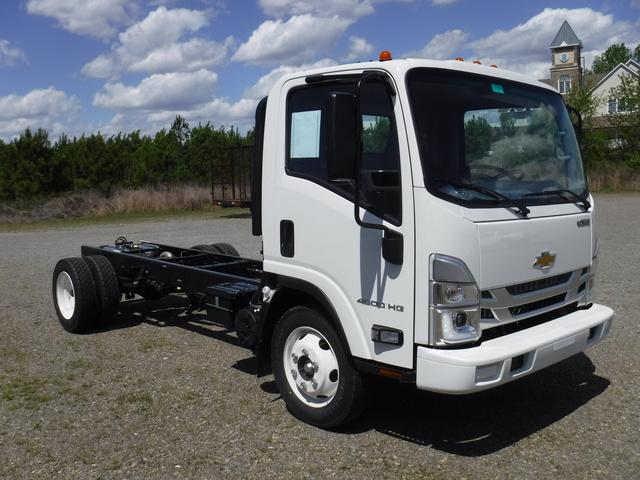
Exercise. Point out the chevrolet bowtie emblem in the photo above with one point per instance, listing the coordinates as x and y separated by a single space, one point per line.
545 261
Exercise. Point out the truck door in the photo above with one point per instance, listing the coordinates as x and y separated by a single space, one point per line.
314 236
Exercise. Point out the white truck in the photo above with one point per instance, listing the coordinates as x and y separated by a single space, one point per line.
428 221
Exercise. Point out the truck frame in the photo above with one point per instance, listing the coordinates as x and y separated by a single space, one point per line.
407 233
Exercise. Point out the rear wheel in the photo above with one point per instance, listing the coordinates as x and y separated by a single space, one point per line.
313 372
106 280
74 295
206 248
226 249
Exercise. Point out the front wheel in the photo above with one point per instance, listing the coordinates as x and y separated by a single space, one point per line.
313 372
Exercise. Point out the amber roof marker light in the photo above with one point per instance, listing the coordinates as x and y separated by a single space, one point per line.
385 55
459 59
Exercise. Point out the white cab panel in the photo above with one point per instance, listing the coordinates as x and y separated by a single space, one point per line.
508 249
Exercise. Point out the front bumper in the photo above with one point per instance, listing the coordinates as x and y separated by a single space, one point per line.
507 358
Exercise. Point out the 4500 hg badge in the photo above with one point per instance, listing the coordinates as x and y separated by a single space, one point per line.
388 306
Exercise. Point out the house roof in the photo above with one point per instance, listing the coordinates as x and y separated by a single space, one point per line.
565 37
633 65
621 66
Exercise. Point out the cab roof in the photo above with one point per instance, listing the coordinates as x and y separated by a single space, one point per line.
398 69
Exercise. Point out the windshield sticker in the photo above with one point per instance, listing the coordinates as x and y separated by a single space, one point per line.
495 88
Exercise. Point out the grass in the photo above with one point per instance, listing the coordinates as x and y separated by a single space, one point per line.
134 217
138 400
27 390
122 206
614 179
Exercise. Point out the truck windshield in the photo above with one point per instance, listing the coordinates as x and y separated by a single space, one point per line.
486 141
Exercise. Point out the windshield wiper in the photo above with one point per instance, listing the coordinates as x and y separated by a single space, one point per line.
563 193
520 207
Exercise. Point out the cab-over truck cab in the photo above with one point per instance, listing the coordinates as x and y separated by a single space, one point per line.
441 210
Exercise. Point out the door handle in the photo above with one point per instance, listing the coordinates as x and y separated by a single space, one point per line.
287 238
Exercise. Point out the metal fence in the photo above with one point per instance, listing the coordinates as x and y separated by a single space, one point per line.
230 175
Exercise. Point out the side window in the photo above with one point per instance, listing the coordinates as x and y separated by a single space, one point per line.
380 166
375 134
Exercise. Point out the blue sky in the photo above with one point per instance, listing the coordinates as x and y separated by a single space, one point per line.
117 65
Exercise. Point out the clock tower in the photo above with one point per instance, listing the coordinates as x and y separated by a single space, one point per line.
566 67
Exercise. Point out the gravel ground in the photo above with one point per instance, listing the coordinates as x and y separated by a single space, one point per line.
164 394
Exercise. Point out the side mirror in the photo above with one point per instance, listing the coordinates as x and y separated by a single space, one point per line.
392 247
342 136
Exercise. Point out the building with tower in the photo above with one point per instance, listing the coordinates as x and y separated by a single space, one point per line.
566 60
566 71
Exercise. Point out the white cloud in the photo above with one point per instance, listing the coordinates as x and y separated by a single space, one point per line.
10 55
37 103
184 57
161 27
525 47
168 91
442 46
299 39
218 112
96 18
358 49
152 45
47 108
442 2
325 8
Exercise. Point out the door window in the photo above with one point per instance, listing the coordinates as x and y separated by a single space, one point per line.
380 165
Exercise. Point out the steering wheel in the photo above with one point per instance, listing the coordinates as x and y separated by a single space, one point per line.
499 172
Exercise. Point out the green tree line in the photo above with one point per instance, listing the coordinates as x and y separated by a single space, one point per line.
33 165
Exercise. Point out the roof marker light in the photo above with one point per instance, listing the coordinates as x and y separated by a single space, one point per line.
477 62
459 59
493 65
385 55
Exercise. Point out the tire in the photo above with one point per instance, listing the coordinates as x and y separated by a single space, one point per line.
306 350
107 287
74 295
226 249
206 248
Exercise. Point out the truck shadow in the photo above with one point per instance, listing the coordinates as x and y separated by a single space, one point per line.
486 422
467 425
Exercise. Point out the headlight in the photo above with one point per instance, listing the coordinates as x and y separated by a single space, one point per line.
455 294
454 313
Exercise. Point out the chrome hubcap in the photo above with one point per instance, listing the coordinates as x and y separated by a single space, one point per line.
65 295
311 367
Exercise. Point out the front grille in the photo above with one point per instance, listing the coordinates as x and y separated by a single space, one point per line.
501 330
527 287
530 307
486 313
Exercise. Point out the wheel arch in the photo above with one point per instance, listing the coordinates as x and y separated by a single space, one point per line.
292 292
